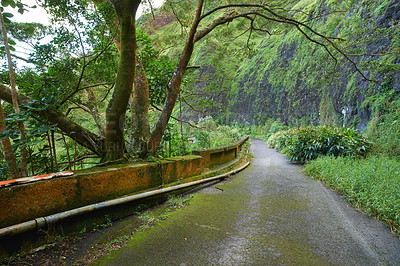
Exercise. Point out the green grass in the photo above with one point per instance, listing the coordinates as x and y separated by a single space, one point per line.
371 184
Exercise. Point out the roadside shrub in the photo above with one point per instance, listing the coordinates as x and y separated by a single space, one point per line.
308 143
278 140
371 184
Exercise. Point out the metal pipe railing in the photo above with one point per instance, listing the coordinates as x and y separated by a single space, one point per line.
44 221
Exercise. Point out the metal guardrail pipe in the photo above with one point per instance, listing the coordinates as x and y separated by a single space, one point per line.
43 221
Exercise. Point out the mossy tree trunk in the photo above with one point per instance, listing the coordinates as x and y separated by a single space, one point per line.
140 112
8 152
116 109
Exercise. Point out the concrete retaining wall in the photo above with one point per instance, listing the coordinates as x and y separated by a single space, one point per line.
28 201
217 156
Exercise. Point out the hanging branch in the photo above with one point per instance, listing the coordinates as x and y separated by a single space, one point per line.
177 119
280 19
151 9
190 106
183 28
108 92
85 65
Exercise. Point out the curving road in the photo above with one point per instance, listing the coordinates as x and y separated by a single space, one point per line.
269 214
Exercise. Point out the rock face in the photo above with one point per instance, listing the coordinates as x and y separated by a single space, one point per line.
286 76
391 16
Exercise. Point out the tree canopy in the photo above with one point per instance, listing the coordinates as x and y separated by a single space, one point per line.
97 62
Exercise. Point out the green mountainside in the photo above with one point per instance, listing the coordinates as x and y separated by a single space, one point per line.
281 74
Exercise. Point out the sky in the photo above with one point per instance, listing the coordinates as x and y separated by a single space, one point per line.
40 15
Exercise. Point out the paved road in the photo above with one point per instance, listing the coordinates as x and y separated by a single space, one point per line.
269 214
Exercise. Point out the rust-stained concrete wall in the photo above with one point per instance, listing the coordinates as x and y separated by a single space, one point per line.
29 201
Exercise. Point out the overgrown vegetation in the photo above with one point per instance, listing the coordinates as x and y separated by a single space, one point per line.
263 131
366 173
204 135
308 143
384 127
176 141
66 250
285 76
371 184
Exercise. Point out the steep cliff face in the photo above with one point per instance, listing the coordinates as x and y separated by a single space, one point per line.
286 75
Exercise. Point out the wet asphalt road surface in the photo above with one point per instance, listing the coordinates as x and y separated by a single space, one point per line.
269 214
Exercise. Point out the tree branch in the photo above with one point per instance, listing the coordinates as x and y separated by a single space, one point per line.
77 88
75 131
285 20
177 119
190 106
193 67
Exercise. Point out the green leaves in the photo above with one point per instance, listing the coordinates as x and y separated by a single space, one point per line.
6 3
306 144
6 17
12 4
159 69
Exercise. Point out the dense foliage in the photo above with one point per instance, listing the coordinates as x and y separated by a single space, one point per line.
263 131
384 127
205 134
285 76
308 143
372 184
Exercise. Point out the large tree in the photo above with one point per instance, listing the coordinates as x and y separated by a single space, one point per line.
260 17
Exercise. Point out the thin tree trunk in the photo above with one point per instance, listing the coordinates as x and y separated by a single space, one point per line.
51 151
175 83
14 94
8 152
32 163
53 142
66 147
94 111
75 157
180 118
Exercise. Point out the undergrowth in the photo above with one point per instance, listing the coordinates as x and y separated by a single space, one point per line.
263 131
308 143
204 135
371 184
